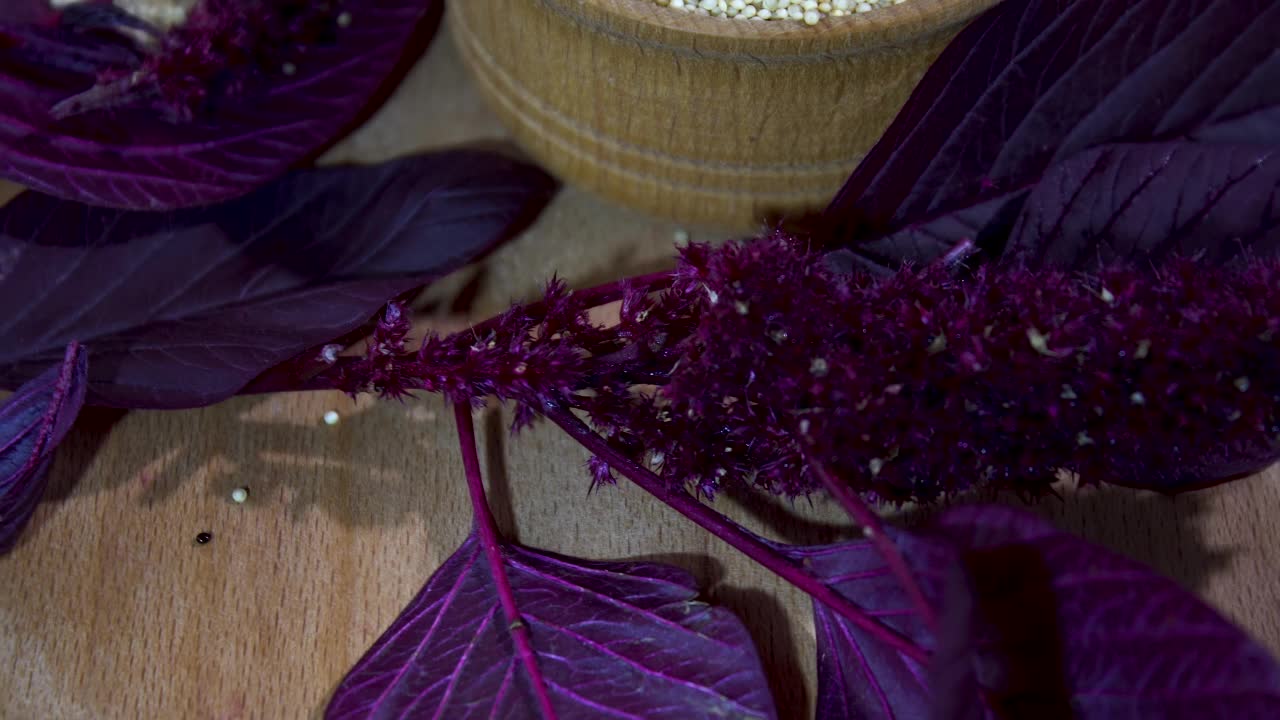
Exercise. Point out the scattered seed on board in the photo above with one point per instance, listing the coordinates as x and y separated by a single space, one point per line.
332 417
240 495
204 538
810 12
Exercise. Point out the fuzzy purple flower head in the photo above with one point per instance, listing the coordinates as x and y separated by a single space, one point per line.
762 360
929 382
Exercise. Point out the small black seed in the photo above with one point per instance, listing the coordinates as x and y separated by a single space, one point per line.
203 538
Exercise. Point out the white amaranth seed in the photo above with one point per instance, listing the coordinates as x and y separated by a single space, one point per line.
810 12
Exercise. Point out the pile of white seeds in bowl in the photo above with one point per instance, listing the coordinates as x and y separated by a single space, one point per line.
806 11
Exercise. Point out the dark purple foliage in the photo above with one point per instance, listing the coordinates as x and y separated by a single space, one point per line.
32 423
1129 643
858 676
1145 203
953 675
1039 624
1033 83
98 107
922 243
185 308
611 640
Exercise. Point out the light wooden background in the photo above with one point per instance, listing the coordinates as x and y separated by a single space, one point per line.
108 609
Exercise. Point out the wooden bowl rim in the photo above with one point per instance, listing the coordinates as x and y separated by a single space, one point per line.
656 26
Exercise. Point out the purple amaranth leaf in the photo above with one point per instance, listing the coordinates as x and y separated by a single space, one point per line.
185 308
611 640
32 423
96 110
925 242
1059 628
953 681
1032 83
859 677
1131 644
1128 202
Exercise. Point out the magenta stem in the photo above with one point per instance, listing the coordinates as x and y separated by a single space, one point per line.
491 541
596 295
49 422
880 540
731 533
614 289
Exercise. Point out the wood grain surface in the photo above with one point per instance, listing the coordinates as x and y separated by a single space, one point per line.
699 118
108 609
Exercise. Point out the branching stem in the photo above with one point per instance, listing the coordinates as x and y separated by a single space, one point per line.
735 535
881 541
491 542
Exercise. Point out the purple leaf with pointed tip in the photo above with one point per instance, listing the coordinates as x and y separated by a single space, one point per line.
624 640
1155 200
240 93
1033 83
185 308
1056 627
32 423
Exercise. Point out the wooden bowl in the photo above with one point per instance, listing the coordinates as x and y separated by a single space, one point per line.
695 118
